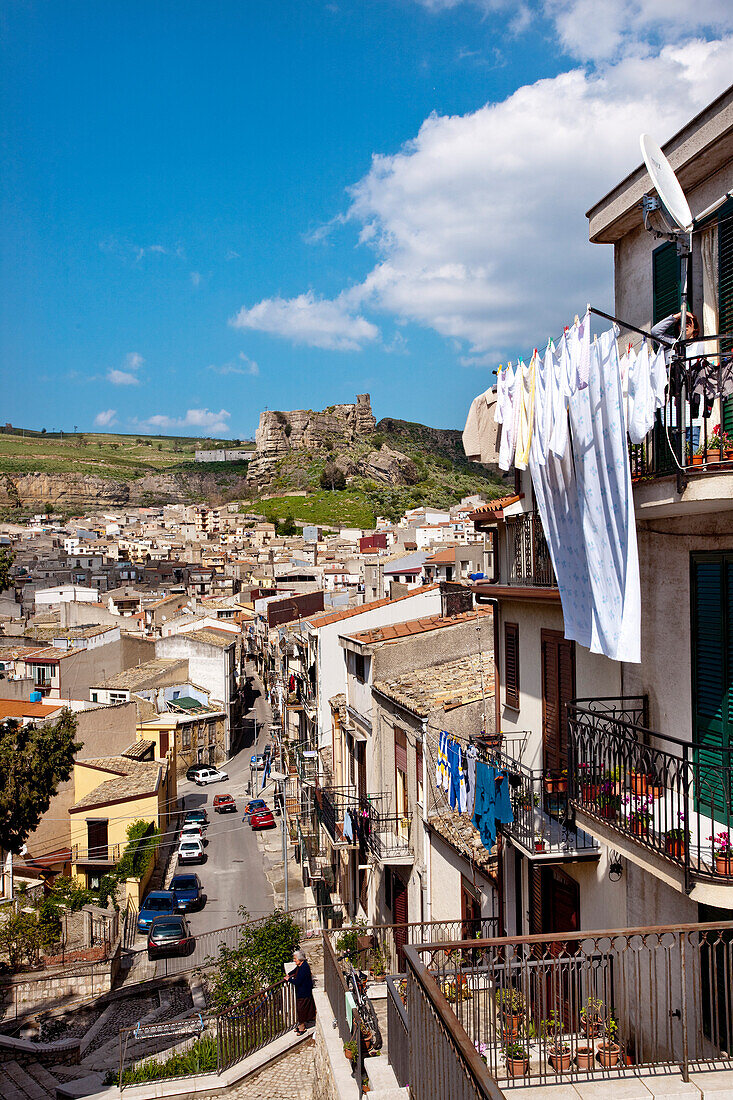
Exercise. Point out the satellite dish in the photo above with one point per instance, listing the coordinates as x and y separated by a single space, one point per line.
666 183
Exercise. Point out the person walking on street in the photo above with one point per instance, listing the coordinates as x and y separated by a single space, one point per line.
302 979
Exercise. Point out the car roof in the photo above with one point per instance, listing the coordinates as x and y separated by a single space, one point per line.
189 841
189 876
160 921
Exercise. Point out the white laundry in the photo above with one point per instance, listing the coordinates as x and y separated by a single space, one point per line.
626 364
641 397
658 377
606 506
525 401
562 391
500 391
578 341
542 406
508 427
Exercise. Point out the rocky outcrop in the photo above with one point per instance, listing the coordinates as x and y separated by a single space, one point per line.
390 467
332 429
82 490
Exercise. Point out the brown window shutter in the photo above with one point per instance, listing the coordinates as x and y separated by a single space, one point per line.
511 664
566 677
535 899
418 761
400 750
550 705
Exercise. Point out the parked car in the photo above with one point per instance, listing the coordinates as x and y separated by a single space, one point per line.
257 761
194 770
156 904
170 936
262 819
199 816
188 892
255 805
192 829
210 775
224 804
191 850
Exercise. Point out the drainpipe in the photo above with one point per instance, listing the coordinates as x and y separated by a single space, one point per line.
425 834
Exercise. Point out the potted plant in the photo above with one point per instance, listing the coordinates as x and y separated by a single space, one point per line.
638 781
591 1017
722 853
590 786
607 802
516 1058
639 813
552 1027
559 1056
540 844
609 1050
350 1050
584 1057
676 841
510 1004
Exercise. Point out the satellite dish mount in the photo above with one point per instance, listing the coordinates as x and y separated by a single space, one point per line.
673 209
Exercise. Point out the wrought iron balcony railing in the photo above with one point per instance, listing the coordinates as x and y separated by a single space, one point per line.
100 853
530 563
389 838
497 1014
673 797
345 816
544 822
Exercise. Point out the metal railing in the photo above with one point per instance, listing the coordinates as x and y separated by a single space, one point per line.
530 563
583 1006
672 797
332 805
379 949
682 435
544 822
250 1025
334 985
389 837
100 853
398 1028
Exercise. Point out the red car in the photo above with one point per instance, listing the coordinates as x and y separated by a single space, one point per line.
262 819
224 804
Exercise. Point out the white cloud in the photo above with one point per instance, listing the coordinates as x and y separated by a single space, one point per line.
106 418
317 322
241 365
479 222
122 378
196 277
214 423
133 360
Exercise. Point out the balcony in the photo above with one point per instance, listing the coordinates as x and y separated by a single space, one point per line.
666 798
616 1010
389 839
529 565
332 804
544 827
101 853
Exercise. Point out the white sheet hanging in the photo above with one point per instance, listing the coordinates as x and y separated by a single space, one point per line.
606 505
525 398
508 428
641 397
561 393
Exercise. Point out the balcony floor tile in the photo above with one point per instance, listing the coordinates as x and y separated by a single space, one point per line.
619 1088
718 1083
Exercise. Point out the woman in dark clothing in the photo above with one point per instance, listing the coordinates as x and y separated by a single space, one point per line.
302 979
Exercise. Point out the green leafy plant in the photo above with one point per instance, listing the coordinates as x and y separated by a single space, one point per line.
611 1029
552 1026
510 1002
258 959
514 1051
347 942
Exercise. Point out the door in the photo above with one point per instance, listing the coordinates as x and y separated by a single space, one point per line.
712 685
470 911
558 688
97 846
400 917
554 907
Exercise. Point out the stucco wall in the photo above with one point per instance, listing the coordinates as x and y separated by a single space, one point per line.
446 870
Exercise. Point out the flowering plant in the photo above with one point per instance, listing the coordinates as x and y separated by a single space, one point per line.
719 440
639 808
681 833
722 844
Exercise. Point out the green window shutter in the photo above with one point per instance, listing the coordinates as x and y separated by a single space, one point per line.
666 281
725 294
712 675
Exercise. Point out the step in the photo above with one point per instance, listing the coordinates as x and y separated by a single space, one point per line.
17 1084
40 1074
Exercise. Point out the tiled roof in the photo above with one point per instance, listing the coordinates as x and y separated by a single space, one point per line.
132 779
486 510
458 831
221 638
392 632
336 616
143 675
449 685
13 708
443 557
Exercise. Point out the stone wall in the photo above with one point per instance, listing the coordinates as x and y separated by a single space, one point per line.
24 994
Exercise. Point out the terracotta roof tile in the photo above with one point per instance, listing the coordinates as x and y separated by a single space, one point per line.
336 616
394 631
448 685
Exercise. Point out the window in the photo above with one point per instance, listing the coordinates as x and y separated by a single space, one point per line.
42 675
97 846
666 281
117 697
511 665
94 697
558 688
725 294
359 664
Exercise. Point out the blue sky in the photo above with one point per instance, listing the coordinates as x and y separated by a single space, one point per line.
213 207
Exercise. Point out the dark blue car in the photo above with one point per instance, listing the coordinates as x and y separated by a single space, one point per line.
158 903
188 892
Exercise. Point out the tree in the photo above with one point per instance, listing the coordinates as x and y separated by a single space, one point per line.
48 508
7 557
258 959
333 477
287 527
33 761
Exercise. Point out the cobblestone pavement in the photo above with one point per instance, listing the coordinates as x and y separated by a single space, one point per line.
292 1077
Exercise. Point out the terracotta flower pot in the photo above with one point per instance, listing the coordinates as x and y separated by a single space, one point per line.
560 1061
584 1057
517 1067
675 848
608 813
589 791
713 456
639 783
510 1027
638 828
697 460
724 865
608 1054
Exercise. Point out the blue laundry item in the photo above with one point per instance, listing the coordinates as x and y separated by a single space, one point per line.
471 758
348 826
484 809
503 805
454 771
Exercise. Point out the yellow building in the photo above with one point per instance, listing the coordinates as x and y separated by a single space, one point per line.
112 792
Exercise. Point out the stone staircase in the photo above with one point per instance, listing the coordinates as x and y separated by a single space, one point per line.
34 1081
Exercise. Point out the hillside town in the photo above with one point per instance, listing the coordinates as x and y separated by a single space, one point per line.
440 808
